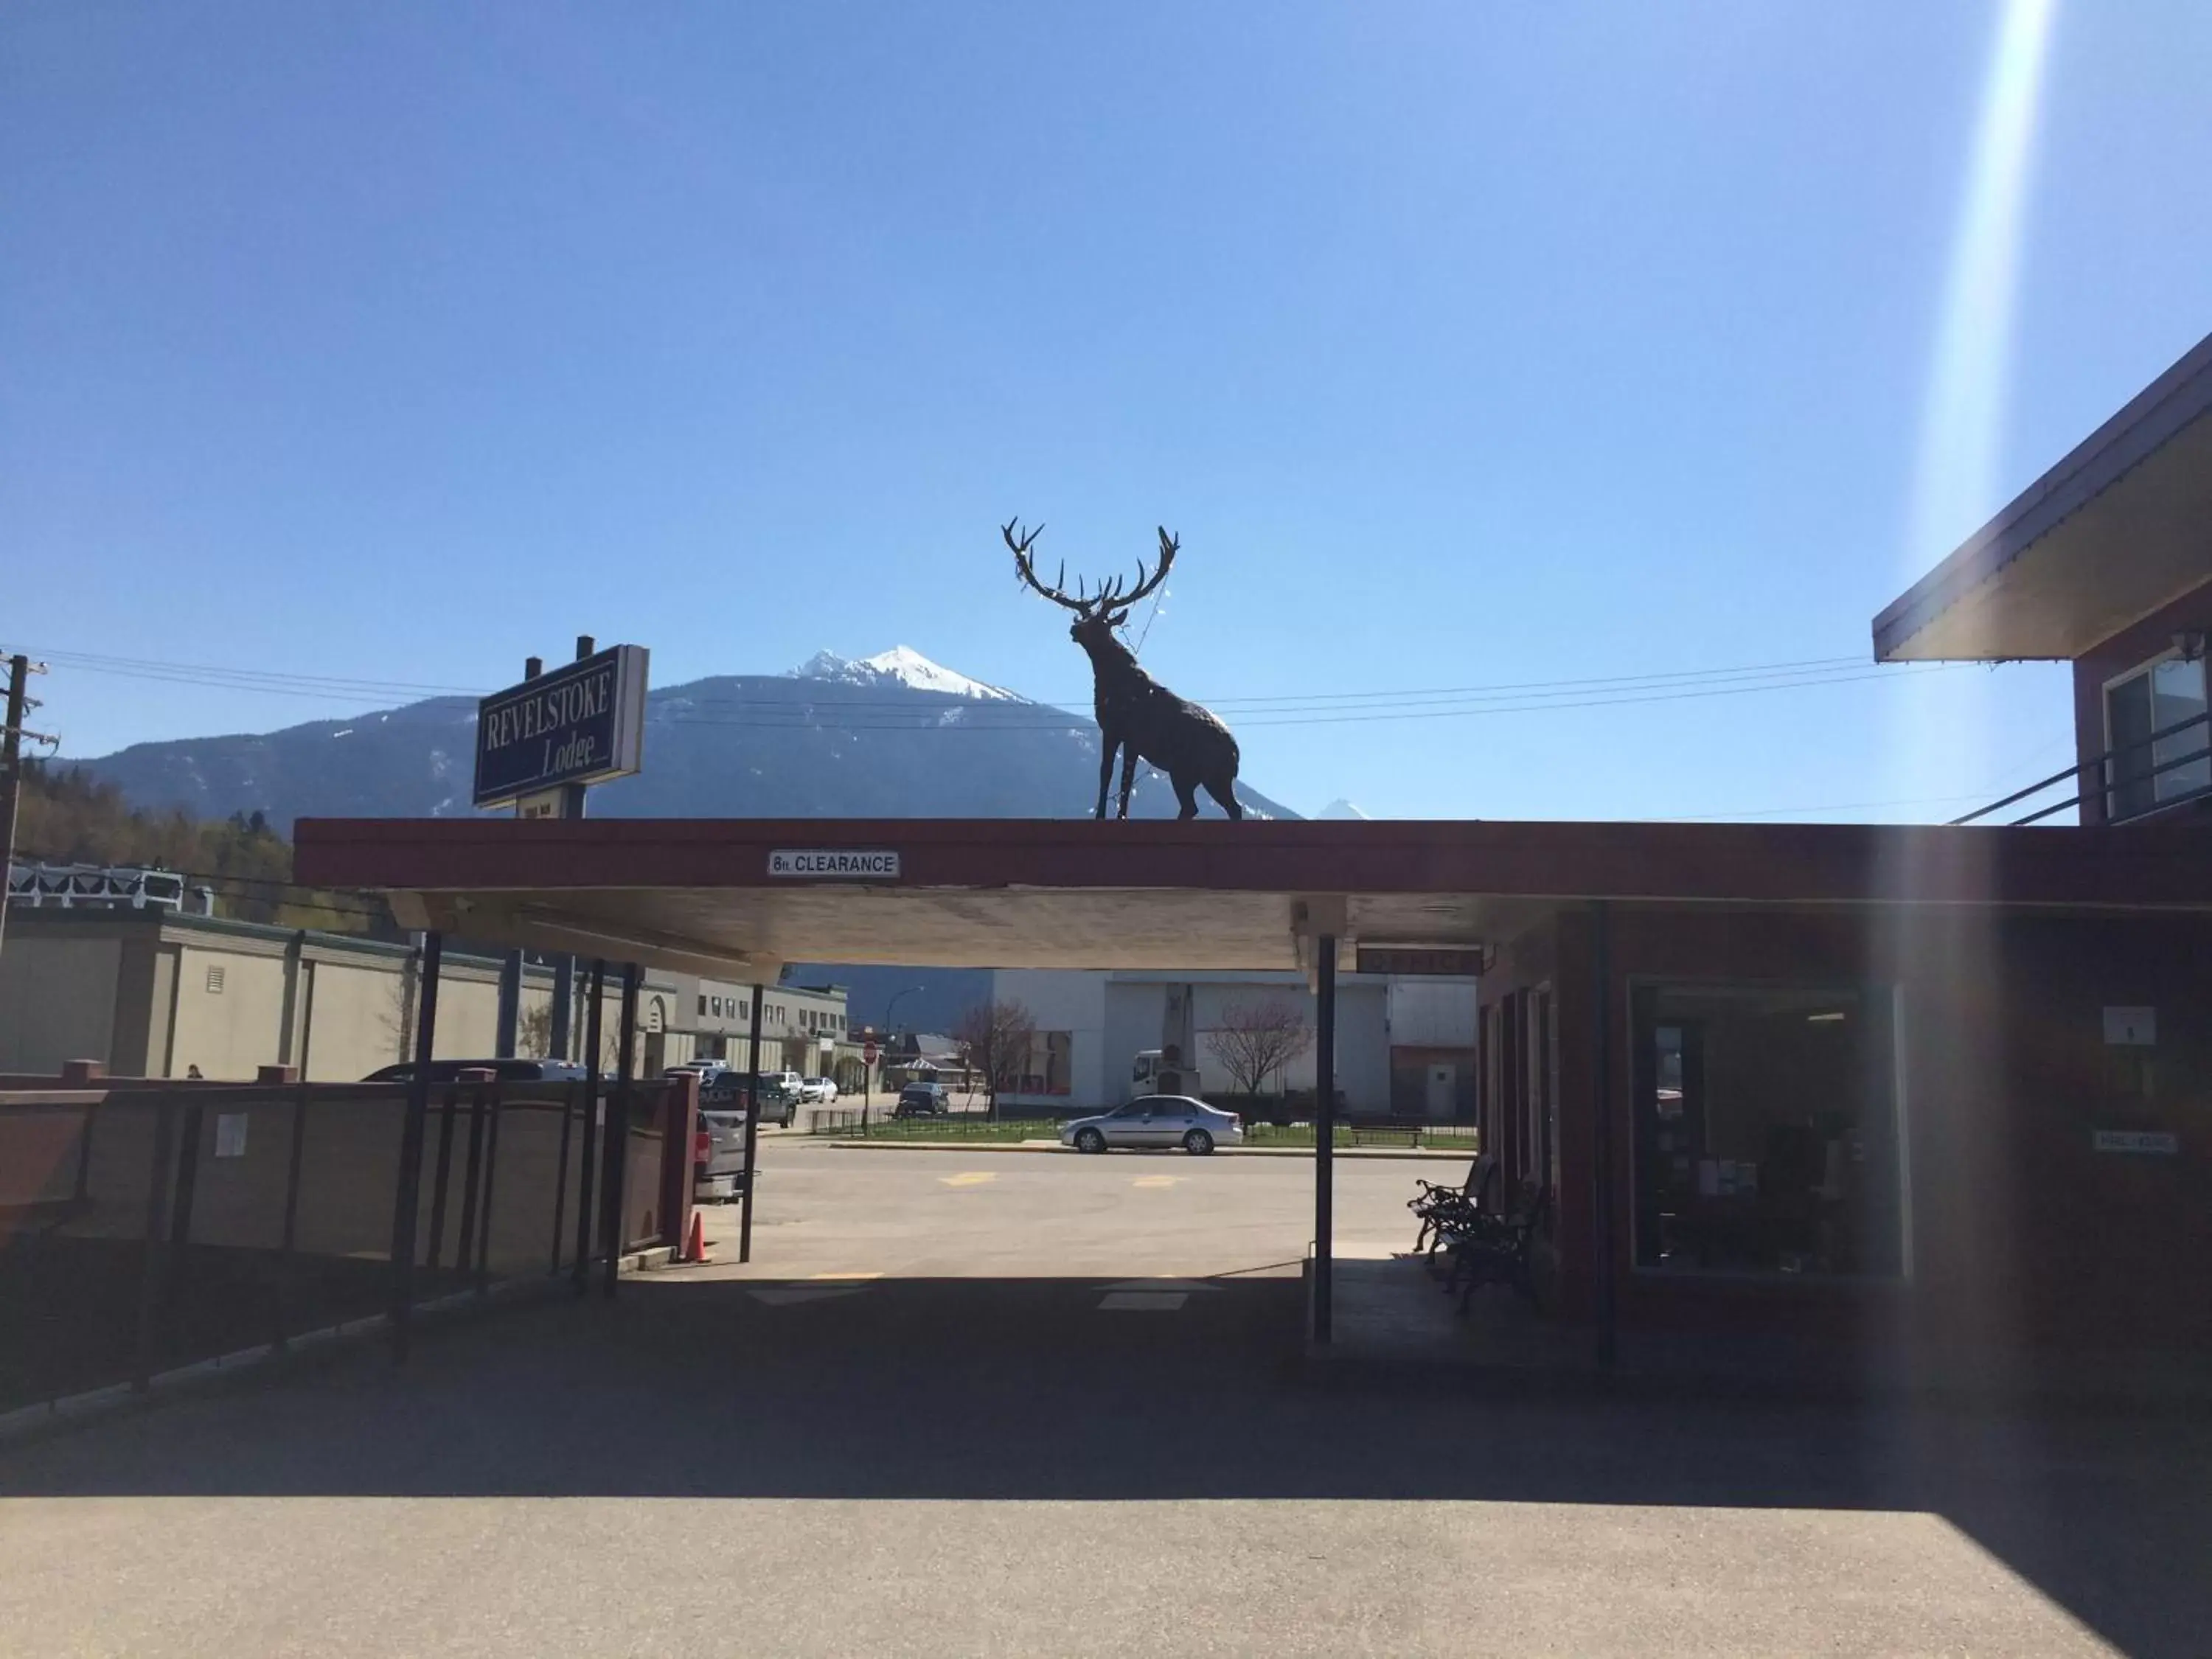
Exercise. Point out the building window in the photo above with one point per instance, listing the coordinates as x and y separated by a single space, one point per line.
1765 1131
703 1002
214 979
2145 772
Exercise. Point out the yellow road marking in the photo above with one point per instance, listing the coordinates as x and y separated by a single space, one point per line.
844 1275
1155 1181
969 1177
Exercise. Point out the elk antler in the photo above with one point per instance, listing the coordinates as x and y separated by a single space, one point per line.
1146 581
1027 570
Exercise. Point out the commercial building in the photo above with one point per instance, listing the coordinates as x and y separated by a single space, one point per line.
150 992
804 1028
1404 1048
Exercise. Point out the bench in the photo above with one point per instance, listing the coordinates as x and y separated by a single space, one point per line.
1435 1203
1488 1250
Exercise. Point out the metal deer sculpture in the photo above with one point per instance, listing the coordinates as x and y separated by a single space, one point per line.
1136 714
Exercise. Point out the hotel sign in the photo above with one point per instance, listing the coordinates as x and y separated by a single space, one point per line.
582 724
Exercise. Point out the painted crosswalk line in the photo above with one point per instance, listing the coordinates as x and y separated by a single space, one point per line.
1156 1181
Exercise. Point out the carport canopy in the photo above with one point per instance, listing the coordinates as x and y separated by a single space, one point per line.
739 897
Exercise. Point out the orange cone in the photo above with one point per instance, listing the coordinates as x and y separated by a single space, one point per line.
694 1247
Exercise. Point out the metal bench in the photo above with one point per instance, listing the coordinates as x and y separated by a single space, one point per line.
1489 1250
1435 1203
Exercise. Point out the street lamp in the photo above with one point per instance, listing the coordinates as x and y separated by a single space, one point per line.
893 1004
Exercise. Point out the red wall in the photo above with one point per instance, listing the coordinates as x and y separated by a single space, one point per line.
2021 1233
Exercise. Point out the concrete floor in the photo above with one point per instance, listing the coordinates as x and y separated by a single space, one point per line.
987 1449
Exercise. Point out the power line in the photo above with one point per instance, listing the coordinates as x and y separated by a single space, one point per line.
1271 709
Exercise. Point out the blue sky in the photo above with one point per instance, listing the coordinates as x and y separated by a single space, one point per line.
1463 345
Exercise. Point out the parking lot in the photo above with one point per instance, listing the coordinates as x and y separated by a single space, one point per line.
987 1212
973 1402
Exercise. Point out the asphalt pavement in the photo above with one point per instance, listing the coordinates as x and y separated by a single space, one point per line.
1055 1405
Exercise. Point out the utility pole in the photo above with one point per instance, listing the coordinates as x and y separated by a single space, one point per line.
20 704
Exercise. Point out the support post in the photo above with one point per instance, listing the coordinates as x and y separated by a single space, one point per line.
615 1157
508 1024
407 1200
564 994
586 1215
752 1135
1324 1266
560 1172
1602 1087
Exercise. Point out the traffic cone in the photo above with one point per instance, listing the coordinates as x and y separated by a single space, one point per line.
694 1247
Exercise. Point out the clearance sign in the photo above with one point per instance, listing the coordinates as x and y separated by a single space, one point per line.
834 863
582 724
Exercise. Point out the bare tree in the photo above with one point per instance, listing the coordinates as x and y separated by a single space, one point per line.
1255 1041
997 1037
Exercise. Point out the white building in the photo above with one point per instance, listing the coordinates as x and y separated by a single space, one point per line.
1404 1048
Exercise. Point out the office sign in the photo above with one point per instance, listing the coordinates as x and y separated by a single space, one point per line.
2142 1142
1407 961
582 724
834 863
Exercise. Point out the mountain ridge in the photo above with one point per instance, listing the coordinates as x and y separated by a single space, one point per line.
895 735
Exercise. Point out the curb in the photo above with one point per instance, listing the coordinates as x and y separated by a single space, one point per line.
1453 1155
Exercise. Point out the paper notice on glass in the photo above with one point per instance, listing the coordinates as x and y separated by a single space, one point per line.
230 1135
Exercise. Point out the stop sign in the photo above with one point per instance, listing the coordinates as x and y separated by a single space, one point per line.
868 1053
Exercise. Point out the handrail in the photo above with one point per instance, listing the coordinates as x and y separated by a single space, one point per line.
2082 766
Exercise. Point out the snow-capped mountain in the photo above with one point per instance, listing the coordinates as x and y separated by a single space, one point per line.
901 665
1340 808
894 735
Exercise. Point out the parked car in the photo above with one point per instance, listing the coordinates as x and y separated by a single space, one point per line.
1156 1120
507 1071
718 1155
922 1100
819 1091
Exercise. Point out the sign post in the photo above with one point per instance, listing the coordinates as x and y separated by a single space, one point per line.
539 745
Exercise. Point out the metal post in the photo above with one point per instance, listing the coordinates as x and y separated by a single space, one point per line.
1324 1134
564 993
560 1172
149 1257
181 1208
615 1159
441 1176
753 1137
464 1241
508 1022
596 988
490 1186
294 1164
407 1202
1602 1087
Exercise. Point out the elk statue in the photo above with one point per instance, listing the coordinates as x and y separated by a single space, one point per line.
1136 714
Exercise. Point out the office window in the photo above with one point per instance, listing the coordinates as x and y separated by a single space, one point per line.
2154 698
1765 1134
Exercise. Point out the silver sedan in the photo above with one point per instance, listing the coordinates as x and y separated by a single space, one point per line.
1156 1120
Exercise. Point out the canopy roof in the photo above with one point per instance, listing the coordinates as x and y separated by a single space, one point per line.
2118 529
698 895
